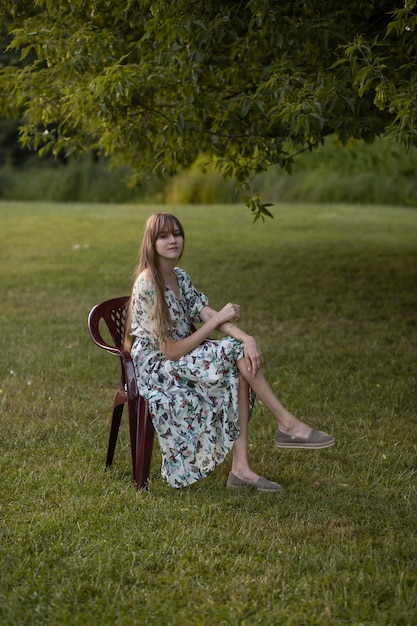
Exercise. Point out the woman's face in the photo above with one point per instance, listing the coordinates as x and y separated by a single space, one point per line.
170 244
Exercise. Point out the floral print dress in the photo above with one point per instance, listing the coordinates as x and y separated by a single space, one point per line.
193 401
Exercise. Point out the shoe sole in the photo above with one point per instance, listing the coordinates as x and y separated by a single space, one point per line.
252 487
305 446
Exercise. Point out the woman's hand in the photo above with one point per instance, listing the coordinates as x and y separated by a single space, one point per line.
253 356
229 312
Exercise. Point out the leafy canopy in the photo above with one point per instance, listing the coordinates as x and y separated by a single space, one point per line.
246 83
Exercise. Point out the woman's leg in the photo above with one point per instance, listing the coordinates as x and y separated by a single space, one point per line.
241 474
286 421
240 463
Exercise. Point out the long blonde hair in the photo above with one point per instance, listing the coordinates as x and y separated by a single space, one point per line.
149 261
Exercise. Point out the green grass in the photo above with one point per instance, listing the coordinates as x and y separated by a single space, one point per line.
330 292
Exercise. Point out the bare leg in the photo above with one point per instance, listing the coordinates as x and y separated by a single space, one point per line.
240 463
286 421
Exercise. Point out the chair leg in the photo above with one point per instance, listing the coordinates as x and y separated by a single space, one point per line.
144 445
147 457
114 431
133 429
142 435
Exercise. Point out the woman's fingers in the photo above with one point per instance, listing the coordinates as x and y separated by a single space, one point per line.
254 363
229 312
236 311
253 356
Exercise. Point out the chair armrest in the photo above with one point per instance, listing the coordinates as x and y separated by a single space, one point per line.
106 346
127 367
131 381
126 363
104 311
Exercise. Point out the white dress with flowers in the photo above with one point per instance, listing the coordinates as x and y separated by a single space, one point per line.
193 401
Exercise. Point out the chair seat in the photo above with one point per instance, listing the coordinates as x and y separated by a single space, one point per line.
113 313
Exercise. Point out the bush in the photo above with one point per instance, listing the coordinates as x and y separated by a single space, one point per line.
79 180
197 187
378 173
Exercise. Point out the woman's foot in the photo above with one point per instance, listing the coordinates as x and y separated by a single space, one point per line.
315 440
260 483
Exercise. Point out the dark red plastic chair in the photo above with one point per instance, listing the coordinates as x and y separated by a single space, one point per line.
113 313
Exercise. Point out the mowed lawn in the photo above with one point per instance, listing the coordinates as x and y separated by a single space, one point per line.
330 292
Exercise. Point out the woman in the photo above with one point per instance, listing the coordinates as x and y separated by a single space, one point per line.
198 390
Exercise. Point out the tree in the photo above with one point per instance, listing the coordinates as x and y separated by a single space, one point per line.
154 84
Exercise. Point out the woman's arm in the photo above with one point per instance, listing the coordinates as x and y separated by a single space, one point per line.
253 354
207 313
174 350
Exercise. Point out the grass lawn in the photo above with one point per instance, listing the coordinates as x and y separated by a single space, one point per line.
331 294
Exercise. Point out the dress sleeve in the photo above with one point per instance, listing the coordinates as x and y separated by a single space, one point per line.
196 301
143 298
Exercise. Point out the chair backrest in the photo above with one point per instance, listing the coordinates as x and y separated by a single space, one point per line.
113 313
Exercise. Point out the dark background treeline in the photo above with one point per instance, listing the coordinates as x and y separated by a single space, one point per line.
381 172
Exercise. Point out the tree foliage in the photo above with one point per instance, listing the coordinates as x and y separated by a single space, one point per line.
247 83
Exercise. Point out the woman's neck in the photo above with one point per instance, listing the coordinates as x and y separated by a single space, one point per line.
170 278
167 270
